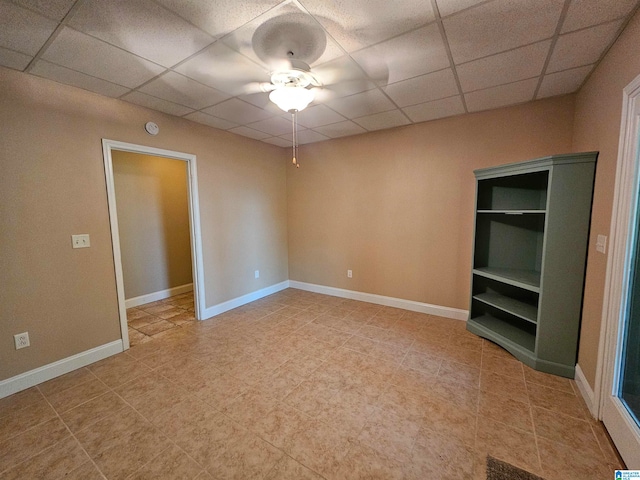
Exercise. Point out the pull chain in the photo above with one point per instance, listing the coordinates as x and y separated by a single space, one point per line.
295 138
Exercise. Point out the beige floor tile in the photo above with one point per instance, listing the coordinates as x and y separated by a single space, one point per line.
286 468
506 410
557 400
462 396
501 364
427 363
18 401
30 443
56 461
438 455
547 380
558 459
157 327
508 444
461 373
249 407
442 417
571 431
72 397
514 388
63 382
92 411
391 435
280 425
246 456
86 471
119 369
363 462
171 464
28 417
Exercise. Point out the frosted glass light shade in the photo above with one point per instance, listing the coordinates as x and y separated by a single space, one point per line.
291 98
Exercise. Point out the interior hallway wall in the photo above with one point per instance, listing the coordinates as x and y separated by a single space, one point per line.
153 222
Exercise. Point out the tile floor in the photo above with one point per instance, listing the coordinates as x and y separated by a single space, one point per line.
303 386
152 318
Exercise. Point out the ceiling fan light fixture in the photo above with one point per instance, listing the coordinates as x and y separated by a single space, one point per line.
291 98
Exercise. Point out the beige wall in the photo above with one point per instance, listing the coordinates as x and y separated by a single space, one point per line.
396 206
153 222
52 185
597 127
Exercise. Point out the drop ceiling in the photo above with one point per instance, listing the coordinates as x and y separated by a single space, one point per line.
385 64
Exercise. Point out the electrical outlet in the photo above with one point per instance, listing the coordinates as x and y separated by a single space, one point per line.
601 244
349 274
80 241
257 273
21 340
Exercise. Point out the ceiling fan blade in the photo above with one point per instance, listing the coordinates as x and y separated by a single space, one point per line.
257 87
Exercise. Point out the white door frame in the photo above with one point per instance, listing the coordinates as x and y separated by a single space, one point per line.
621 426
194 222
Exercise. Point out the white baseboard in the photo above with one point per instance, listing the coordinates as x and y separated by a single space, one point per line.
160 295
586 391
243 300
47 372
448 312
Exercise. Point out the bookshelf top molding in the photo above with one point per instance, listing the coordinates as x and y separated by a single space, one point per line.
535 165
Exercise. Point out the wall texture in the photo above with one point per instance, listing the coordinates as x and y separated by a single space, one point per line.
597 127
396 206
153 222
52 185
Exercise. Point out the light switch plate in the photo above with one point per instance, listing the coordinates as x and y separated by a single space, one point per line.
80 241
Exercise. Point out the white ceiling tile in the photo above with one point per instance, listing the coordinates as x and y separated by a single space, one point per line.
273 126
237 111
585 13
55 9
210 120
225 69
447 7
359 23
154 103
89 55
415 53
423 89
303 36
561 83
23 31
141 27
249 132
308 136
500 25
379 121
507 67
220 17
360 104
279 142
501 96
318 115
11 59
342 77
583 47
179 89
77 79
340 129
445 107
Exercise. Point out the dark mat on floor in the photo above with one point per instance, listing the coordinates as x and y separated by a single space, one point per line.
499 470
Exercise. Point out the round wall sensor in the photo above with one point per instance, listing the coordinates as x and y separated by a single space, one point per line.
151 128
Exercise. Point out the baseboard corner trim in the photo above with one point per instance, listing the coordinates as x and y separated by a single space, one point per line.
52 370
447 312
243 300
586 391
159 295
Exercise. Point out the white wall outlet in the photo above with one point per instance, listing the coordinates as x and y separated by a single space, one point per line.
21 340
601 244
257 273
349 274
80 241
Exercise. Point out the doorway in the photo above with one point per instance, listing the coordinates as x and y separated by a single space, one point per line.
113 149
618 376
